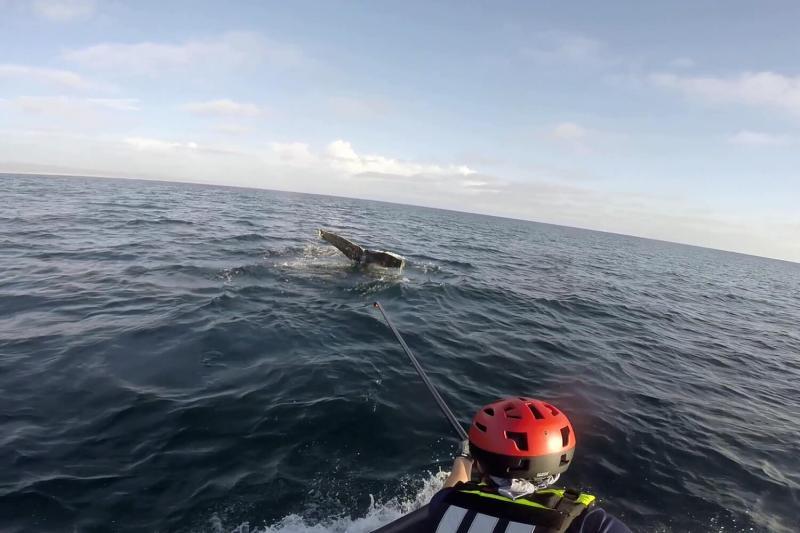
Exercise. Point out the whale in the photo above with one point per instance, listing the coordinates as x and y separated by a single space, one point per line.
361 255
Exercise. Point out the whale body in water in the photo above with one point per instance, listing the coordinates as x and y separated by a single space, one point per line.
360 254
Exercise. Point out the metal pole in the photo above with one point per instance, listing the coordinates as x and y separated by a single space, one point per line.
436 396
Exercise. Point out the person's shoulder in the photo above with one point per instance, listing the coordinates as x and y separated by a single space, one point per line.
597 520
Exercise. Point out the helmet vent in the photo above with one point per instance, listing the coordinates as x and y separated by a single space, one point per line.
480 426
565 436
564 460
520 439
536 413
511 411
552 409
489 411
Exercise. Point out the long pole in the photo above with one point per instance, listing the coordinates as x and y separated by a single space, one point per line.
436 396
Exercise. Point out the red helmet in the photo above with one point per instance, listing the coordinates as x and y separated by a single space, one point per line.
521 438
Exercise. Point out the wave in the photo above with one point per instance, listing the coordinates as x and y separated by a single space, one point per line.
138 222
466 265
378 514
243 237
224 320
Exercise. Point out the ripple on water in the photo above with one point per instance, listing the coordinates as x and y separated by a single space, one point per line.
188 358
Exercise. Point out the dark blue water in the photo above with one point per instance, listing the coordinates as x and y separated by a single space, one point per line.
186 358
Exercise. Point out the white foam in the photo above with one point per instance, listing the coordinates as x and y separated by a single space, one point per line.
378 514
314 256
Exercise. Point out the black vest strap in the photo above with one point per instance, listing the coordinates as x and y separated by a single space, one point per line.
467 521
569 505
501 526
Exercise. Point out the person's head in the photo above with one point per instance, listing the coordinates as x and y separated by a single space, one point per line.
521 438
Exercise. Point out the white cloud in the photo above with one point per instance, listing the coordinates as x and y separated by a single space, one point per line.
45 76
157 145
223 108
340 150
761 89
173 149
230 128
118 104
230 50
757 138
558 48
537 199
69 107
294 153
569 131
483 186
340 155
579 140
358 108
339 158
64 10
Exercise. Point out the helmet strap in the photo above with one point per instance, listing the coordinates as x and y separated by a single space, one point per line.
517 488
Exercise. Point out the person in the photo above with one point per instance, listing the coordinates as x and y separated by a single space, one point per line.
519 447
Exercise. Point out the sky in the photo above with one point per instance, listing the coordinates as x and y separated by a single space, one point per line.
670 120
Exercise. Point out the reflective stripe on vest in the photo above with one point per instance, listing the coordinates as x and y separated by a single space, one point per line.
471 508
451 520
483 523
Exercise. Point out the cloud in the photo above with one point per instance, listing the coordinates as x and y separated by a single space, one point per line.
339 158
228 51
230 128
757 138
758 89
176 149
223 108
341 155
558 48
70 107
422 188
294 153
579 140
45 76
118 104
299 167
358 108
64 10
158 145
569 131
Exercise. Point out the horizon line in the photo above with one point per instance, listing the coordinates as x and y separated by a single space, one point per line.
207 184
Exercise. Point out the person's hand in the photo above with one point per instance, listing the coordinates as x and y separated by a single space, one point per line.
462 466
463 450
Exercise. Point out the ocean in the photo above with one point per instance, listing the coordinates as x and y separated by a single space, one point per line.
178 357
